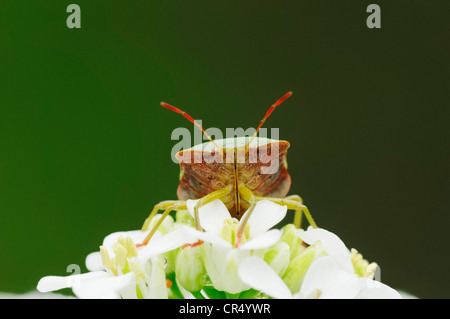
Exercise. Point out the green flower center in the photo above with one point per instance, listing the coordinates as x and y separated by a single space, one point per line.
230 232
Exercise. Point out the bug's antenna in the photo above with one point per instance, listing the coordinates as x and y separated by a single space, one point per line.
281 100
177 110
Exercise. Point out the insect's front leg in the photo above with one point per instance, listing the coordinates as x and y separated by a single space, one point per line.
218 194
171 205
167 206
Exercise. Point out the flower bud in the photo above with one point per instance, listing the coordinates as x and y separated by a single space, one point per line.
228 231
290 237
232 284
170 258
166 225
157 283
189 269
295 272
183 217
278 257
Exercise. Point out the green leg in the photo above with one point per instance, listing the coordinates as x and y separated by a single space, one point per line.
171 205
177 204
167 206
218 194
298 212
293 202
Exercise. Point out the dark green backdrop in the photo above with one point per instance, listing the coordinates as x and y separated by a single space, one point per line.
85 146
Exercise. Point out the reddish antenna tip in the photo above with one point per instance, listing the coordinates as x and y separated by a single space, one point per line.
170 107
187 116
282 99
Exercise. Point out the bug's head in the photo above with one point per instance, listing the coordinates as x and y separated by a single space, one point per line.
218 148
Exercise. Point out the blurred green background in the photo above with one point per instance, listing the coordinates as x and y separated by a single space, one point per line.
85 146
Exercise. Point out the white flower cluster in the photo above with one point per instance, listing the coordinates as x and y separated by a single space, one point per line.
224 260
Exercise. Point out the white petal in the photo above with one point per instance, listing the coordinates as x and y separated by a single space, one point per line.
52 283
212 215
232 283
158 289
331 243
256 273
103 287
345 287
128 292
214 261
94 262
136 235
371 289
168 242
265 215
265 240
326 276
208 237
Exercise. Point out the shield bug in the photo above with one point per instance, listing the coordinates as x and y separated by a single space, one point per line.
237 171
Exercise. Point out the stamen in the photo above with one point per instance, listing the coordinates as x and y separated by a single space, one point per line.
238 239
198 243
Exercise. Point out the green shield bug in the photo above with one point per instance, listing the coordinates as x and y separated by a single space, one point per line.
236 171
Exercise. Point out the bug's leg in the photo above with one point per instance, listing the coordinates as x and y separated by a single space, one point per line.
167 206
294 197
160 206
218 194
246 194
295 203
298 212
